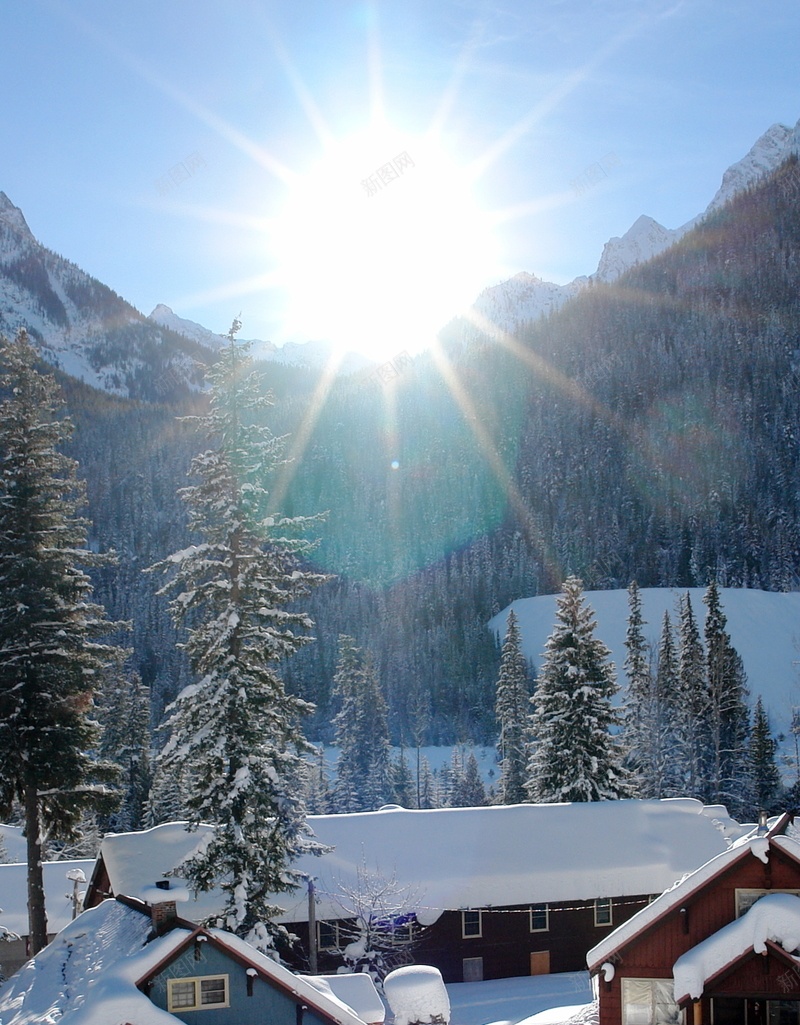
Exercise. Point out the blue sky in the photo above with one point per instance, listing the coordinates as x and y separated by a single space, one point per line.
209 155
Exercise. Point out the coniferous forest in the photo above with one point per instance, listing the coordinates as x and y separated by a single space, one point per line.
648 430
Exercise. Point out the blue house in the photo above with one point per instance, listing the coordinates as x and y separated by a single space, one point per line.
124 961
214 978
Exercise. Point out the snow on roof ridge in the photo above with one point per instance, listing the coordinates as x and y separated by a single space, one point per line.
775 917
757 843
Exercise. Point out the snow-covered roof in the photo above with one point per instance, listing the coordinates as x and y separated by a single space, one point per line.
774 917
676 895
58 887
355 990
89 974
14 843
466 857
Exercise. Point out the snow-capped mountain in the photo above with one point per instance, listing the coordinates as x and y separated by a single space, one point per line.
314 355
526 297
81 326
164 316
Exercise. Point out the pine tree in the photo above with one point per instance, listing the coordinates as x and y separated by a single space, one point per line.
125 741
575 757
728 719
363 771
692 708
317 785
766 780
473 792
512 705
664 777
403 783
234 733
49 628
166 801
638 711
426 786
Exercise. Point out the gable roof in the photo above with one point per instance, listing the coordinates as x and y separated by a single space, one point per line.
774 918
457 858
296 986
90 973
752 844
87 975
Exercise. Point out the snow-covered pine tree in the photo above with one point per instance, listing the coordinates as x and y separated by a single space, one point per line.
49 628
511 708
234 733
728 719
638 710
426 786
472 792
403 782
317 785
574 755
664 776
766 779
124 708
166 801
692 708
363 770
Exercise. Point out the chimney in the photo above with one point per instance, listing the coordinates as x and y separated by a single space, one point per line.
162 912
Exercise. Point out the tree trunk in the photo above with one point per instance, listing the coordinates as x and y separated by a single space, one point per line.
37 919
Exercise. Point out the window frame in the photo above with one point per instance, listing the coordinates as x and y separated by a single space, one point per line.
344 931
743 893
471 935
599 904
539 909
624 1003
197 981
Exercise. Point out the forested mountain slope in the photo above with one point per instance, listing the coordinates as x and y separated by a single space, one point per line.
648 429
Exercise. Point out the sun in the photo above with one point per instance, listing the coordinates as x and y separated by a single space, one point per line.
380 244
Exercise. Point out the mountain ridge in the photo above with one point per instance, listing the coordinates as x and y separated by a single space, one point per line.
517 299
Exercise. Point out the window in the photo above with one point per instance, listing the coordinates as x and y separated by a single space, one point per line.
197 994
649 1002
334 935
602 911
472 968
745 899
540 917
471 924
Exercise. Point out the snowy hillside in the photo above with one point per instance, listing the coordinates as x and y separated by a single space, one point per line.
526 297
764 628
80 325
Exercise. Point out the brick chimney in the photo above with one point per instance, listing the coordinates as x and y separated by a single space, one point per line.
162 912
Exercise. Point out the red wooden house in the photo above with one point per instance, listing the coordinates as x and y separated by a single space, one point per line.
719 948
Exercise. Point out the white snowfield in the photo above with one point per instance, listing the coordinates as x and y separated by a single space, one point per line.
457 858
764 627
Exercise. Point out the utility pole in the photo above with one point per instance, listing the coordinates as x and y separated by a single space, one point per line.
312 928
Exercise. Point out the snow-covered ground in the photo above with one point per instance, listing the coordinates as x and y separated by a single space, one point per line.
535 1000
